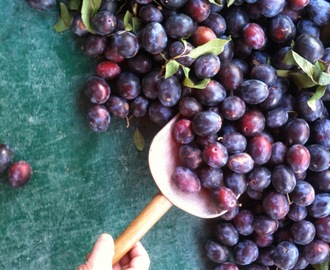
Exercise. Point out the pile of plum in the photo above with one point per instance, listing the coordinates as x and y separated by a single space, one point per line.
255 126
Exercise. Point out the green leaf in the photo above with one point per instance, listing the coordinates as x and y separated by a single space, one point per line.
320 65
136 22
305 65
214 46
288 58
283 73
171 68
88 10
66 16
216 2
323 266
324 79
60 25
230 2
138 140
128 21
131 23
188 82
302 80
316 96
64 21
74 4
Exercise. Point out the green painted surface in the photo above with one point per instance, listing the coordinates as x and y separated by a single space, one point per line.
84 183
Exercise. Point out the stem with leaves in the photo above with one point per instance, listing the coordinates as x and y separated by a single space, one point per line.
214 46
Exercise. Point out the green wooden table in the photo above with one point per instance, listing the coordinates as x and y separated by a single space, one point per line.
84 183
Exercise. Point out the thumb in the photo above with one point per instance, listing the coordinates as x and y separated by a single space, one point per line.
101 255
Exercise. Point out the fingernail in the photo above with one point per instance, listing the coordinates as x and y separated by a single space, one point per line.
105 236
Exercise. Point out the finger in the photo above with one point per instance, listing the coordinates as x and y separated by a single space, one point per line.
126 259
140 258
101 255
83 267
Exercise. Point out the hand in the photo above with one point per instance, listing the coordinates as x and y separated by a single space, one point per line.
102 253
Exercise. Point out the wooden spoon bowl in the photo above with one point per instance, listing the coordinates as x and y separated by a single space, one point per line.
163 158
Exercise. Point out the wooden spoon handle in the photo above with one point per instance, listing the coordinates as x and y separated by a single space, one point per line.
147 218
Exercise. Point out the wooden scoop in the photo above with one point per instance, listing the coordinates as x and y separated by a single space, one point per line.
163 158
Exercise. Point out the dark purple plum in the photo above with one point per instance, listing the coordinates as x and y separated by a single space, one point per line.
233 108
243 222
252 123
303 232
206 66
253 91
230 75
104 22
322 226
198 10
320 158
212 95
6 157
150 13
285 255
160 114
276 205
125 43
246 252
189 107
216 252
240 163
318 11
283 179
169 91
309 47
211 178
179 25
320 207
41 5
154 38
254 36
235 181
186 180
321 132
271 8
236 18
226 233
128 85
260 149
183 132
282 30
316 252
97 90
259 178
118 106
139 106
98 118
298 158
190 156
94 46
19 173
217 23
225 198
234 142
215 155
206 123
296 131
303 194
264 225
